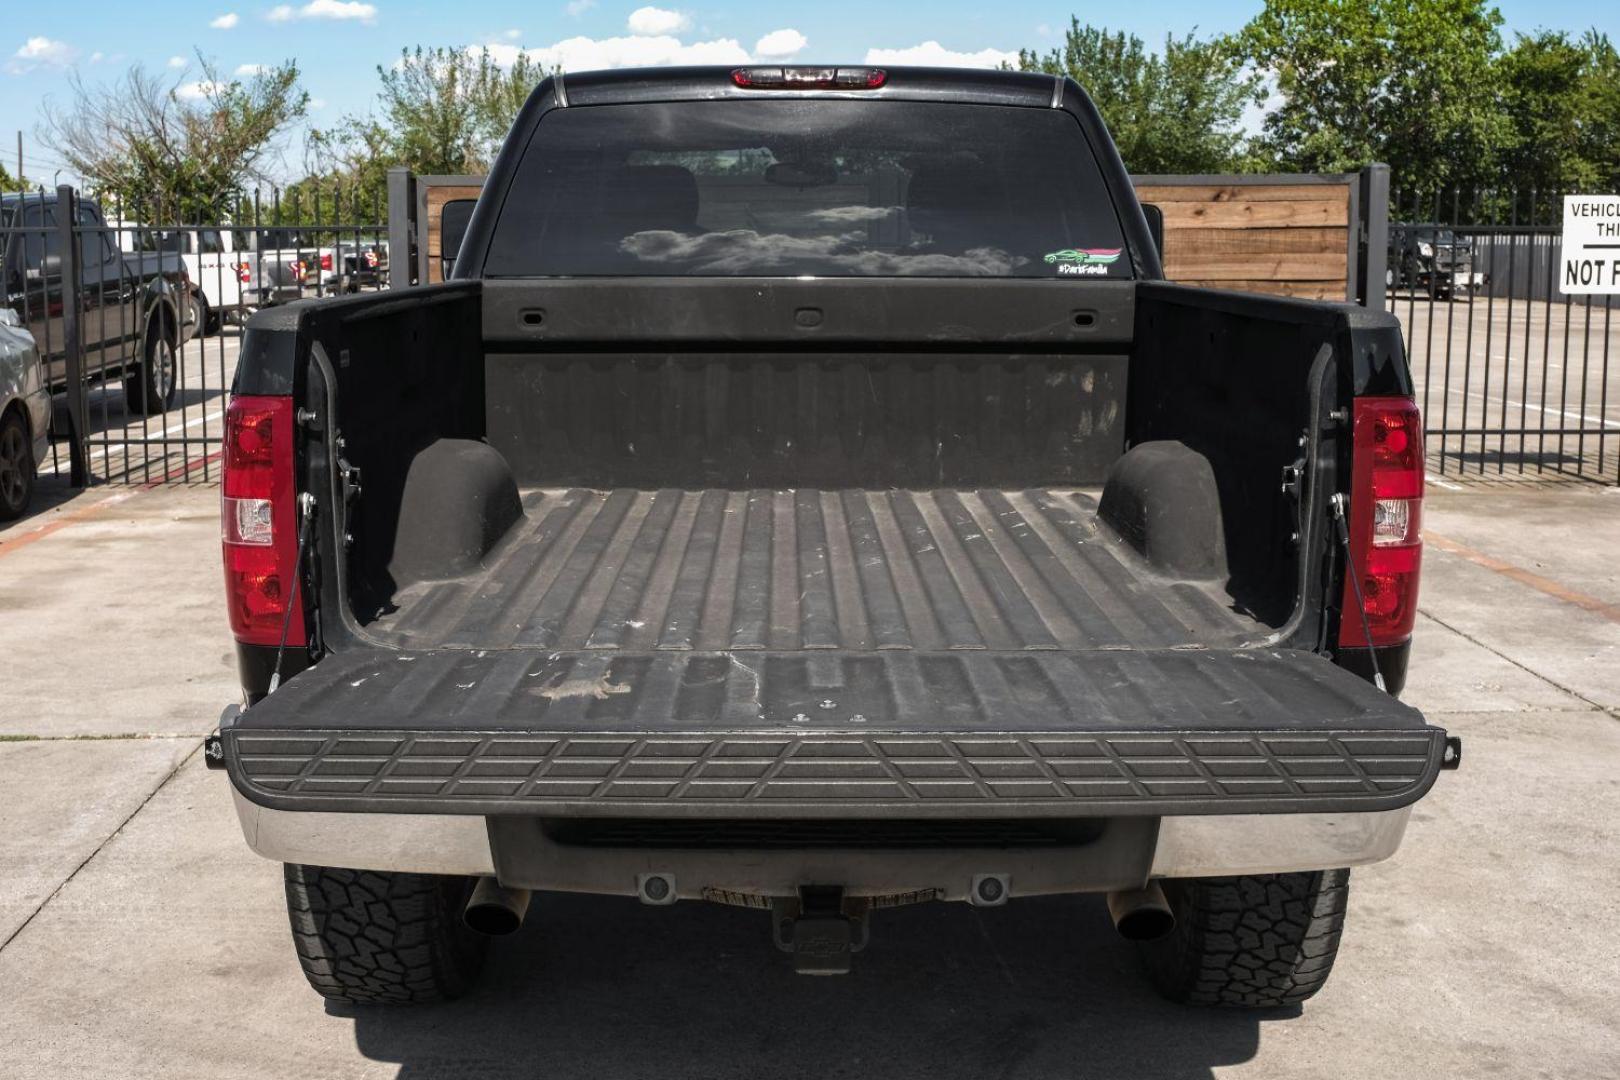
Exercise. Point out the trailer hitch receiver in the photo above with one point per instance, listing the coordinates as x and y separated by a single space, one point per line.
821 928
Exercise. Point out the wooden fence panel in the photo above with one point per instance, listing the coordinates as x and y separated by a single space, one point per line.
1285 236
433 202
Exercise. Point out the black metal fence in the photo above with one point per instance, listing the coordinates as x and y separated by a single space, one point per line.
137 320
1515 379
136 324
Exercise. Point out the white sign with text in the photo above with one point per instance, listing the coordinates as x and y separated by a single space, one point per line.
1590 262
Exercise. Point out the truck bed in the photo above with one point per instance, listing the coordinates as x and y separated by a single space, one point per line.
812 570
814 654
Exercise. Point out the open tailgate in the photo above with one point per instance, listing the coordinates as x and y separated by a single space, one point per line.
957 734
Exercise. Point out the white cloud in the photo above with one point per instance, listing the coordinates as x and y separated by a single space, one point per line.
249 70
512 35
97 57
226 21
503 54
317 103
933 54
42 50
196 91
338 9
342 10
582 53
175 62
779 44
657 22
590 54
576 8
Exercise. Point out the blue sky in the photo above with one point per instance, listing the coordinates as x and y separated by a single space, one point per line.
339 43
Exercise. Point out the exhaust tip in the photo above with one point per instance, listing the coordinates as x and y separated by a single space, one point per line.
494 909
1145 924
1142 914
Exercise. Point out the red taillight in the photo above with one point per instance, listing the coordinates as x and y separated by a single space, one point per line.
244 272
1386 502
809 78
326 261
258 523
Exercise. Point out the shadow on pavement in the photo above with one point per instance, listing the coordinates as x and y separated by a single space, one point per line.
607 988
50 491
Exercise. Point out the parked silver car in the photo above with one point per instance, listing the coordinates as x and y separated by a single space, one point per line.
25 415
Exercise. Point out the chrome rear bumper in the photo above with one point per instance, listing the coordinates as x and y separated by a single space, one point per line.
1186 846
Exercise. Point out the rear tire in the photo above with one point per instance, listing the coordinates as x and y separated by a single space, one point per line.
372 937
204 321
1253 942
150 388
16 466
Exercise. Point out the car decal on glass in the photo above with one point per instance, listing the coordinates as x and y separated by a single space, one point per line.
1085 256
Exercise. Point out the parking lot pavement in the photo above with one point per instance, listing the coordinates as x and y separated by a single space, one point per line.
60 799
1537 581
1487 946
115 616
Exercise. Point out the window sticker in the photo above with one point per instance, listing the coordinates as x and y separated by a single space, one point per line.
1087 261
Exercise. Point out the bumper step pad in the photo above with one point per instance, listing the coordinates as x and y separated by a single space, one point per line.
756 734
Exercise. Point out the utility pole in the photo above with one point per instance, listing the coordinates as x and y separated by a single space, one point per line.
19 161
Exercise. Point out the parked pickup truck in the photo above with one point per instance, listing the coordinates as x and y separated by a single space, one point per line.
132 306
1433 260
809 497
295 263
220 273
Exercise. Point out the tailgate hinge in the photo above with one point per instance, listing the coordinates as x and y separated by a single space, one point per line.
1293 484
348 474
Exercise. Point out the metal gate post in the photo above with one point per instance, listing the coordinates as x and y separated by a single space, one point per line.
67 216
1374 229
401 205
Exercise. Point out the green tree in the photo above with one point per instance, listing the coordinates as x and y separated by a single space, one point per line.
1600 122
439 110
12 183
1545 101
1407 82
176 151
1170 112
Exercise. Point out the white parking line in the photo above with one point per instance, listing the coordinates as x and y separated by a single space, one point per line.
1582 417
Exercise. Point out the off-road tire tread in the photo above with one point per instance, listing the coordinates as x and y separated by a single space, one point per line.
369 937
1256 941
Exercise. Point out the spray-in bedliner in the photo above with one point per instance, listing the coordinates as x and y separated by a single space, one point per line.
790 570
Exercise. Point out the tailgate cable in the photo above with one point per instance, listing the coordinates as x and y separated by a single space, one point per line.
1338 500
306 521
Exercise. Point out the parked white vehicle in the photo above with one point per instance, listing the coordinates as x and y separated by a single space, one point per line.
223 276
298 262
25 415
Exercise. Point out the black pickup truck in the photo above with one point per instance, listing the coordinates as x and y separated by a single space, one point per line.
809 497
131 318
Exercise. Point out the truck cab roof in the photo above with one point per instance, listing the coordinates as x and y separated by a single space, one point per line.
713 82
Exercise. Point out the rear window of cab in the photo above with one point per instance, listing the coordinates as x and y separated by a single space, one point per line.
796 187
